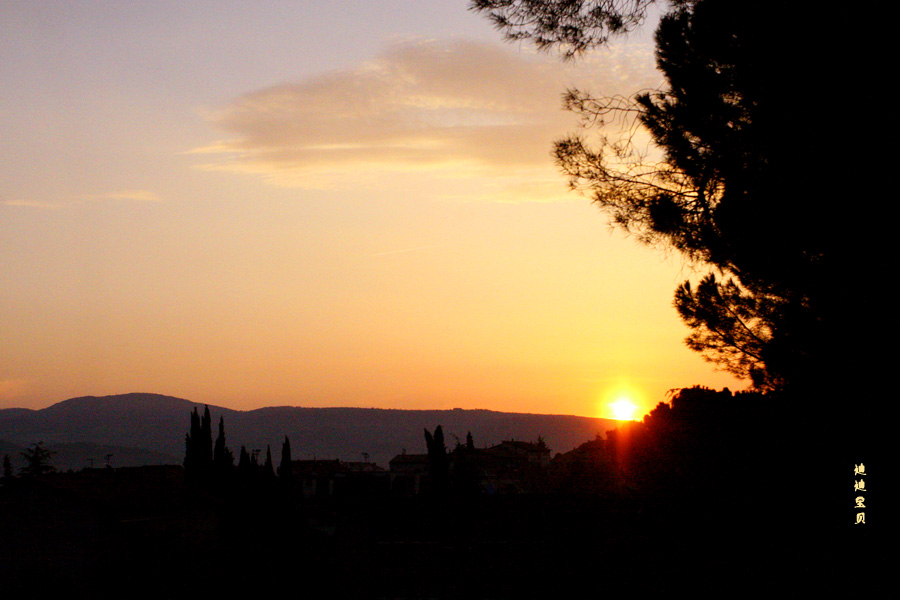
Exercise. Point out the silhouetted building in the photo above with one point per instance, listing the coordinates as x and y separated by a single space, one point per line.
330 478
409 474
508 467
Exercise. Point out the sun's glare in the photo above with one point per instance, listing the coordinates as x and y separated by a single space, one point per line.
623 409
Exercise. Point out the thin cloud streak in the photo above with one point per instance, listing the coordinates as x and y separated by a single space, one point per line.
85 199
34 204
136 195
404 250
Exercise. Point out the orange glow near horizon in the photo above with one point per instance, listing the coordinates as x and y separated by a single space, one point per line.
625 400
623 409
248 234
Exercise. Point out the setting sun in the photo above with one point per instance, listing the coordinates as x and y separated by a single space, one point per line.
623 409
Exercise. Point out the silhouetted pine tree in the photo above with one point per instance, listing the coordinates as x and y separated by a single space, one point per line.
37 460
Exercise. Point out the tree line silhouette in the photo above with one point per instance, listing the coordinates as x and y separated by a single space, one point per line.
682 484
37 463
213 464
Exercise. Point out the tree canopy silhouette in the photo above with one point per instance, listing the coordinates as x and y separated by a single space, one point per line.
742 185
572 26
37 460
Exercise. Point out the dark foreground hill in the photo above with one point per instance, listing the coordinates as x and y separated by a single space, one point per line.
150 429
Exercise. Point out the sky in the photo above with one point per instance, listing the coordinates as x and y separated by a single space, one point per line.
345 203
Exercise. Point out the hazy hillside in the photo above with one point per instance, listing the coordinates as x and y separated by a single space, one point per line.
158 424
76 456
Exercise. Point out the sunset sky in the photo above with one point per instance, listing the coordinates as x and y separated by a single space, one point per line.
344 203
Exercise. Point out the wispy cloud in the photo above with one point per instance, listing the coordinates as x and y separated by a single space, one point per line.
34 204
404 250
455 107
135 195
83 199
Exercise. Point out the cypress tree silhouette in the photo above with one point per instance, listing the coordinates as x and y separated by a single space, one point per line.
223 458
198 451
438 465
285 474
268 468
205 450
7 468
464 477
191 461
245 466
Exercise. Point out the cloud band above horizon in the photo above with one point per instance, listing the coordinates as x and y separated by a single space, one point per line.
462 108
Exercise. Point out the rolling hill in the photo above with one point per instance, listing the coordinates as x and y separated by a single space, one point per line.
150 429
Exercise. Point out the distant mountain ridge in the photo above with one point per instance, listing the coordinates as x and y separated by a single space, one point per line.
157 424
